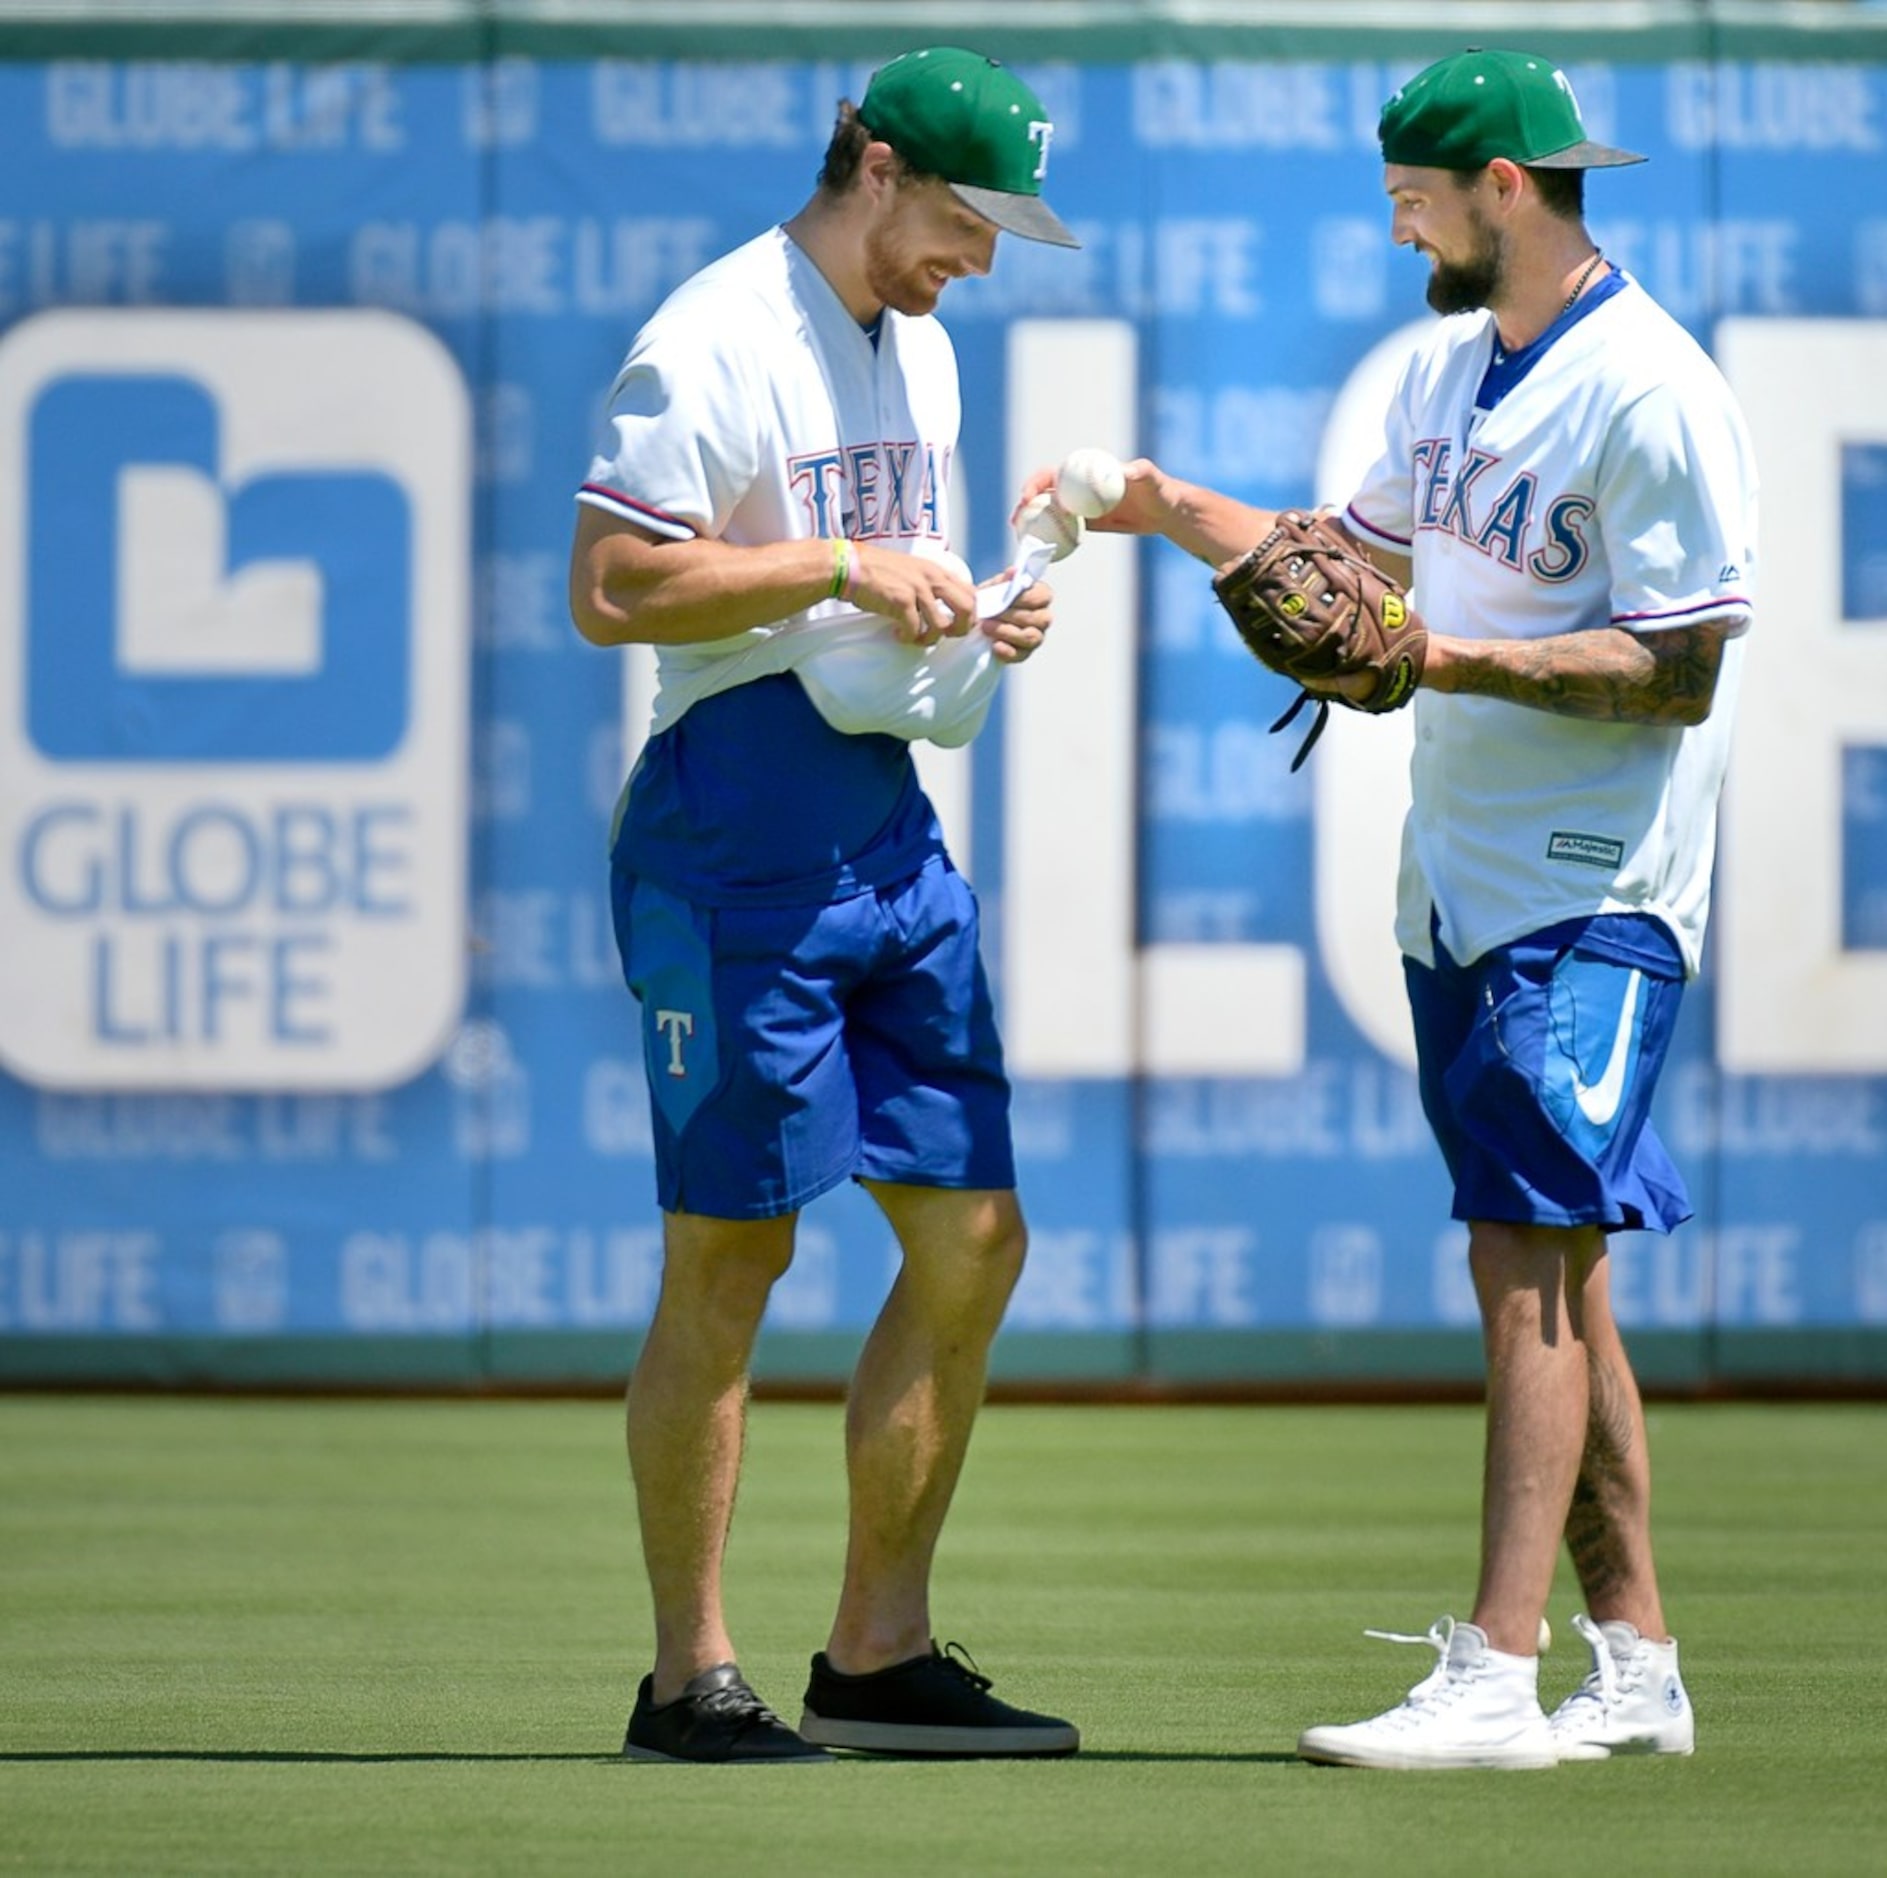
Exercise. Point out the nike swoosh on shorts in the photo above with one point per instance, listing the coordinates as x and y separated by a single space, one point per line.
1598 1102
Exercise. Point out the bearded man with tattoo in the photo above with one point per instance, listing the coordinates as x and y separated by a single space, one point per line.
1568 490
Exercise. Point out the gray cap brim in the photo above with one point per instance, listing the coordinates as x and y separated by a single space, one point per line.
1583 156
1027 216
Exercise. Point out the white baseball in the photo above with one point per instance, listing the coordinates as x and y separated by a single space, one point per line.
1042 518
1090 482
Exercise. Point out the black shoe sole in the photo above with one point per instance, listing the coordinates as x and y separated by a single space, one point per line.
865 1737
630 1752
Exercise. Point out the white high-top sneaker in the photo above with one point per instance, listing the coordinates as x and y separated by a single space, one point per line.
1631 1702
1479 1707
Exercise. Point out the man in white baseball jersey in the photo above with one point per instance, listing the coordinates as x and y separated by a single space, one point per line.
1568 488
775 463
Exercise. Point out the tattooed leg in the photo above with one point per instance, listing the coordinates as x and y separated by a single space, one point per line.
1608 1528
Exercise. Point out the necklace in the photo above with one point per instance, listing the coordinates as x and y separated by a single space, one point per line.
1502 355
1579 286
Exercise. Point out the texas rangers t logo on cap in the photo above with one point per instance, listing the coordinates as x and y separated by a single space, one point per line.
1464 111
973 122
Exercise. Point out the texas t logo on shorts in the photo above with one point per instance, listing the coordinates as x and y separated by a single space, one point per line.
234 643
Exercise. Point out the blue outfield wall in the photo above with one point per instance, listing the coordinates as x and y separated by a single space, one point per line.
317 1063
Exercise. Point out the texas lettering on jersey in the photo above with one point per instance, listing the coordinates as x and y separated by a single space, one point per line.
1499 516
872 491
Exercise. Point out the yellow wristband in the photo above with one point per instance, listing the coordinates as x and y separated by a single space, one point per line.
841 569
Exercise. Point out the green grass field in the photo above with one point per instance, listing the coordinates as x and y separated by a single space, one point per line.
367 1637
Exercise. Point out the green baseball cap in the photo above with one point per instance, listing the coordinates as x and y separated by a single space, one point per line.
1466 110
963 117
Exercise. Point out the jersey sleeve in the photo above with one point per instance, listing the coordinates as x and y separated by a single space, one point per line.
1382 511
1677 505
680 443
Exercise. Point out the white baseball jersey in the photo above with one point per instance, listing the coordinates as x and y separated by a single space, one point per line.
1603 477
753 408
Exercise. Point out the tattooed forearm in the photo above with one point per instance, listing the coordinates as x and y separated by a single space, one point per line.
1597 1527
1608 676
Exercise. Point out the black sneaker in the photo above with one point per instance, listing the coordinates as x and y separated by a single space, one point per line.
715 1718
935 1704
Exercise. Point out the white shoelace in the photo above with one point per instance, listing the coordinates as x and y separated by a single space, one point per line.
1437 1688
1603 1686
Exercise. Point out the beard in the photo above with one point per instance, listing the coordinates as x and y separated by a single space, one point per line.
896 278
1462 286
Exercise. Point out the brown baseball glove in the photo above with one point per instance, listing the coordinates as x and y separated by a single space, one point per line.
1309 605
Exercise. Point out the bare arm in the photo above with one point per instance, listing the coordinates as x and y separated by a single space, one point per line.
631 587
1608 676
1209 526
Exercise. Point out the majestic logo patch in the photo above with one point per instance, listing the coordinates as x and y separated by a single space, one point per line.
1587 850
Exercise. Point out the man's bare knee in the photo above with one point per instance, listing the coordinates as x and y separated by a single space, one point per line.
1001 1246
722 1268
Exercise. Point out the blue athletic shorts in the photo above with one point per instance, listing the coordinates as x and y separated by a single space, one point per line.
1537 1066
791 1048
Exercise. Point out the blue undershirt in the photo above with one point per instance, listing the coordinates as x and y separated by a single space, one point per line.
1506 369
752 798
